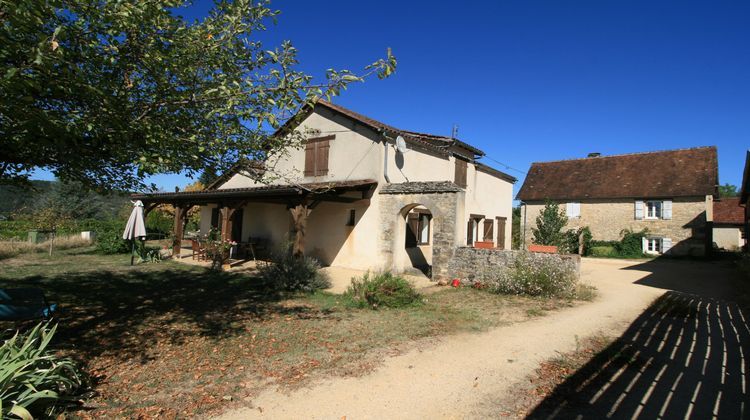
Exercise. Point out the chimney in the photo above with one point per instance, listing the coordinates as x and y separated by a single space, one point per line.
594 154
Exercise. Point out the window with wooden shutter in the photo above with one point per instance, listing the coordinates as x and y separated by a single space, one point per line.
470 233
460 176
316 155
489 224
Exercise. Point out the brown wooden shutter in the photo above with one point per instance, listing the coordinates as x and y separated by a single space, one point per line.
501 232
488 224
310 159
215 218
469 233
321 167
460 177
412 230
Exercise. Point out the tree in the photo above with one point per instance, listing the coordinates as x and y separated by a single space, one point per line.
106 92
549 225
728 190
516 228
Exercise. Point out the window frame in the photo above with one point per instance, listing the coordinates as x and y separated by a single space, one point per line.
656 205
653 242
420 227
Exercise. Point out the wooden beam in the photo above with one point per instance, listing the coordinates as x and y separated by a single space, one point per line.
147 209
299 219
226 222
180 214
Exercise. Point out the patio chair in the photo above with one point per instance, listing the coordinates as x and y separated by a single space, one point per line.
198 250
24 304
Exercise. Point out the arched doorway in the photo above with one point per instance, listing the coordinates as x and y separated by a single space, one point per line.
415 240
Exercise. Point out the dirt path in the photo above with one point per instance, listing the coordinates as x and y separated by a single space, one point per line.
464 375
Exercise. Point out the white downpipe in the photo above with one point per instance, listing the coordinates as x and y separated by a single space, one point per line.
385 160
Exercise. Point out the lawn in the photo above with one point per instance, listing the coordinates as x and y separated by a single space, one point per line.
174 340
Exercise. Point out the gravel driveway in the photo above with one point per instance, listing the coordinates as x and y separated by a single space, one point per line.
468 375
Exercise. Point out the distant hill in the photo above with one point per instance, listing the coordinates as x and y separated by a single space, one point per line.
15 201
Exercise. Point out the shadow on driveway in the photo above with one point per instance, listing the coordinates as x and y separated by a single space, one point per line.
685 356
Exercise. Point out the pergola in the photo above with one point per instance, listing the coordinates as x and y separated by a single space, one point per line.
300 200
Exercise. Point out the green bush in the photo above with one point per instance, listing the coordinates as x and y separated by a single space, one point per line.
631 244
289 273
571 238
535 276
109 238
602 251
34 382
382 290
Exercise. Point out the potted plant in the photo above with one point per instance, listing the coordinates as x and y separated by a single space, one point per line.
217 251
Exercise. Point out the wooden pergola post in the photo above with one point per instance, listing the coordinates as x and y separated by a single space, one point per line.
299 220
226 222
180 216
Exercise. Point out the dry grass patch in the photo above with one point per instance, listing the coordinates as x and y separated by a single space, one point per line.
10 249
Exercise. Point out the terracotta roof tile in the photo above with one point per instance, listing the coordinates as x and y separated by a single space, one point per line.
728 211
671 173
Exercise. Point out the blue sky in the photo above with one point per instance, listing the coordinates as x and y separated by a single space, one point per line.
540 80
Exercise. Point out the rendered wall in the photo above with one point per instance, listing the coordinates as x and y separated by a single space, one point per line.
728 237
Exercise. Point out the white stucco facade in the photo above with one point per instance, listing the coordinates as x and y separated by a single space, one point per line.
360 152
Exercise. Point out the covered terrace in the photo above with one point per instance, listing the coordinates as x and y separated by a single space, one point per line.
298 199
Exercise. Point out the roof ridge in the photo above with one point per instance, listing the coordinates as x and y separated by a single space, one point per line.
373 121
629 154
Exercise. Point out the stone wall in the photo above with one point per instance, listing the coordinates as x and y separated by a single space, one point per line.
469 264
446 209
607 218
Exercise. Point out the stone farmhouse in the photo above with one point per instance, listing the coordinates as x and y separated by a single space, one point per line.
669 193
359 194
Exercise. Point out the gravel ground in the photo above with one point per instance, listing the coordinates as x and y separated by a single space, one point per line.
468 375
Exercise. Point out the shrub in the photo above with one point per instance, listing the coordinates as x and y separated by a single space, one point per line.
109 238
571 240
602 251
535 276
549 225
382 290
289 273
35 382
631 244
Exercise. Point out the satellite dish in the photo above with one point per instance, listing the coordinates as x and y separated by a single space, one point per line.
401 145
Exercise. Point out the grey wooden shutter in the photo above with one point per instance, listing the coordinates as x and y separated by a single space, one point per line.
639 210
666 210
666 244
470 233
